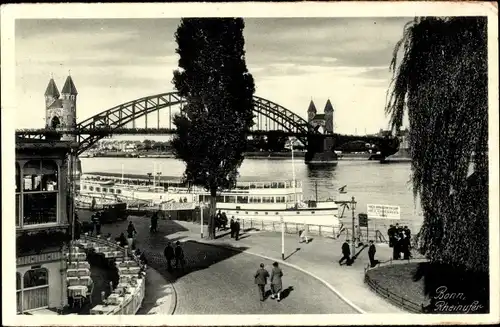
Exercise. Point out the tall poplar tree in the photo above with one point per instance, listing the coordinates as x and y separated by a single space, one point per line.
211 130
442 84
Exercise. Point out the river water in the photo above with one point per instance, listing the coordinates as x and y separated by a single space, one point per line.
368 181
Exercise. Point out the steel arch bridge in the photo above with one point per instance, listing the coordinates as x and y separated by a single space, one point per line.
269 115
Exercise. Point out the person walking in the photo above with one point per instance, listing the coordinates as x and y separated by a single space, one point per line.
231 225
303 234
131 232
154 222
169 255
371 254
237 229
346 253
276 282
98 226
179 255
261 280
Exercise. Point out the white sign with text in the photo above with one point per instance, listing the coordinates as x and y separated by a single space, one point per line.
382 211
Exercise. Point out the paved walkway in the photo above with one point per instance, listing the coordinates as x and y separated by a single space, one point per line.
228 274
319 257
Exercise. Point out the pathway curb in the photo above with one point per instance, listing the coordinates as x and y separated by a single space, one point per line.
172 295
330 287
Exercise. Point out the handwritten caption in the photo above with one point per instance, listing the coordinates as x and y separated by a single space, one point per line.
446 302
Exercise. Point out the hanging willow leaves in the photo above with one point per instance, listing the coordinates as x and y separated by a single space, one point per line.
441 83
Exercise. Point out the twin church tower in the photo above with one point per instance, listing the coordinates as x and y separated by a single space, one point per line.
60 108
322 122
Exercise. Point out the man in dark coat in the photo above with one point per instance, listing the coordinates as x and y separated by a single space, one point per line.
224 220
98 226
169 255
179 255
231 225
390 233
261 280
371 254
237 229
346 253
78 227
154 222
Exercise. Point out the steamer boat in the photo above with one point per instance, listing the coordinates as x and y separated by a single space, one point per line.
263 200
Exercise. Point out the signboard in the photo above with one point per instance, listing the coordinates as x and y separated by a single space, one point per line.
172 206
363 220
382 211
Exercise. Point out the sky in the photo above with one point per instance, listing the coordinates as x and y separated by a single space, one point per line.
292 60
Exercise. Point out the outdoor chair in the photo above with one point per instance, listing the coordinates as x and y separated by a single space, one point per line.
78 298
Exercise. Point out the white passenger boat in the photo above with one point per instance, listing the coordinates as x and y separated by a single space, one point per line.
269 201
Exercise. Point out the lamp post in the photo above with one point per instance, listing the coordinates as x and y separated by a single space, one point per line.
353 207
202 206
282 238
159 175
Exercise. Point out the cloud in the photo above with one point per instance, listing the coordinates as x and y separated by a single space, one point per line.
292 59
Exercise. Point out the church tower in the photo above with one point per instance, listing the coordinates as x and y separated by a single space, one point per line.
60 109
311 111
328 117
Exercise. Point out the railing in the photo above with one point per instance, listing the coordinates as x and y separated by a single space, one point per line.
293 228
393 297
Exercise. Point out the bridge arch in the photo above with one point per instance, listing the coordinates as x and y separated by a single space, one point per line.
121 115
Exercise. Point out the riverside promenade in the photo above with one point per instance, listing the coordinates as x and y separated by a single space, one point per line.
216 280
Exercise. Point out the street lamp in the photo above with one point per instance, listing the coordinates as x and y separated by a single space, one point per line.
202 206
282 238
159 175
353 208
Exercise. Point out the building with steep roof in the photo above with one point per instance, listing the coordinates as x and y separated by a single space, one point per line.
321 122
60 108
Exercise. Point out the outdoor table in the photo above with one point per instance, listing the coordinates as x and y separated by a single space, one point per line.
109 254
129 270
101 249
125 278
77 256
118 254
72 273
78 265
78 272
101 309
84 280
115 298
77 290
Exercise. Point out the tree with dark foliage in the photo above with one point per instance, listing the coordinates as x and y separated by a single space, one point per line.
442 84
211 130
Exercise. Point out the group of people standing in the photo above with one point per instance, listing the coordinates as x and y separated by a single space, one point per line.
261 277
234 225
400 241
176 254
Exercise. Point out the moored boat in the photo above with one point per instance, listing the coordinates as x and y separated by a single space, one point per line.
263 200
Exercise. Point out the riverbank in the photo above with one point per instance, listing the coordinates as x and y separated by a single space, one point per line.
250 155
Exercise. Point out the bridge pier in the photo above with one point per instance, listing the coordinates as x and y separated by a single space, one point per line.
320 150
